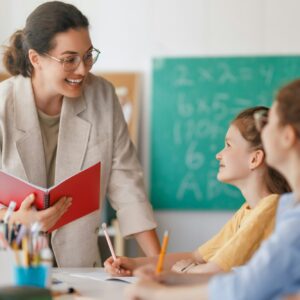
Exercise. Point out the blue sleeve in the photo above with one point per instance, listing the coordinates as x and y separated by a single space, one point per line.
272 269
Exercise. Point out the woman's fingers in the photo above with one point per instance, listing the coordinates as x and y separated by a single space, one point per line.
27 202
50 216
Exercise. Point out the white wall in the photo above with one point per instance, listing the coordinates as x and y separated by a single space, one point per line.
130 33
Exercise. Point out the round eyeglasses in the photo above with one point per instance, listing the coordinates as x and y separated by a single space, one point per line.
71 62
261 119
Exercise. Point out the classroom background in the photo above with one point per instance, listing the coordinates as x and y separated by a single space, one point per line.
131 33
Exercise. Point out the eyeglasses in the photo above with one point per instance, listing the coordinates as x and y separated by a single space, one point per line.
72 62
261 119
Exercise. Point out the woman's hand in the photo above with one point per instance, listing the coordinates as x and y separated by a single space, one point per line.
49 217
27 215
123 266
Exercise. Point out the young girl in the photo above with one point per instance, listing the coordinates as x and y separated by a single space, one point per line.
274 269
242 164
56 119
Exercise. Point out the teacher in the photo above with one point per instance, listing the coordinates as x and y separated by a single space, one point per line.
56 119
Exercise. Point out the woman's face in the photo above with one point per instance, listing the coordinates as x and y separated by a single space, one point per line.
272 139
234 159
51 72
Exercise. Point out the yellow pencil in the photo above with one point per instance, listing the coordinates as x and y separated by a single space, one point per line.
162 252
26 261
16 252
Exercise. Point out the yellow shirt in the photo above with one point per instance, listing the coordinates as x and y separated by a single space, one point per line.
242 235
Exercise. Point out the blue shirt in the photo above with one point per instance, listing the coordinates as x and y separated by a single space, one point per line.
274 269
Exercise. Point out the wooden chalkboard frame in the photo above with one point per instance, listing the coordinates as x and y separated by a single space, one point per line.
128 82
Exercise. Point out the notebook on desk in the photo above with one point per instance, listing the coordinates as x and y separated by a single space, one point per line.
102 276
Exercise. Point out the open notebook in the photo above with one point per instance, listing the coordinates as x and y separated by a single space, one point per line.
83 187
101 276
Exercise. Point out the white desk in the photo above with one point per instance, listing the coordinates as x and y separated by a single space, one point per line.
101 290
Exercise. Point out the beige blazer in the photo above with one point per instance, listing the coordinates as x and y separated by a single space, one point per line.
92 129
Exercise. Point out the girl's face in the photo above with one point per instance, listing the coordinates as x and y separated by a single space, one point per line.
273 140
235 158
55 79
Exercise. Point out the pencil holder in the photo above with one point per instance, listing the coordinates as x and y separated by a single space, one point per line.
31 276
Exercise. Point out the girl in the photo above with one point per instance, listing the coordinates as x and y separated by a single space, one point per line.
242 164
56 118
274 269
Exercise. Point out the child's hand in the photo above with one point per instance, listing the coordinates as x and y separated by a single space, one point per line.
182 266
123 266
144 290
148 273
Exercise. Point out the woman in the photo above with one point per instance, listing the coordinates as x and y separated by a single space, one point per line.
242 164
56 119
274 269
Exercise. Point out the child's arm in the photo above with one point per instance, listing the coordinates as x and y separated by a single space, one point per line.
292 297
124 266
150 290
170 278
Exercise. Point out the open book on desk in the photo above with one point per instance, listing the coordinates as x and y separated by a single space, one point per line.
83 187
103 276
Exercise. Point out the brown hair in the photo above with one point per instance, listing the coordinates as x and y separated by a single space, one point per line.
244 121
288 109
41 26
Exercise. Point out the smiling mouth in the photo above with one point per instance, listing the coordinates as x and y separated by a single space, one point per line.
74 81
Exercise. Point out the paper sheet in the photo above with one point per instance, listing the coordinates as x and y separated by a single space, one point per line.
104 277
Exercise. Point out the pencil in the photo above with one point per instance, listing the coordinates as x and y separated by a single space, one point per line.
113 254
25 248
162 253
16 252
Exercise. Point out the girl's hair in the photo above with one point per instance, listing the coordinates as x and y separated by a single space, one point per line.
244 121
41 26
288 109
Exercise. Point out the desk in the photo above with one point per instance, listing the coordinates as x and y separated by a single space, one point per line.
100 290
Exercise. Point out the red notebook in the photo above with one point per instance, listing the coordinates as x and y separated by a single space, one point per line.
83 187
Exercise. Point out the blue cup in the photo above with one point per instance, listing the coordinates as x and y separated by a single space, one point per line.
31 276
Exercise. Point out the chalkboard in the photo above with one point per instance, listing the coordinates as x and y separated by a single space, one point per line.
193 102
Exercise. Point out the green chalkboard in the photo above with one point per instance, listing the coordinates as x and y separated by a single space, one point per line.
193 102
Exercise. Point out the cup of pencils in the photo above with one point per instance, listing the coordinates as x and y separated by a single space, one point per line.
33 257
31 276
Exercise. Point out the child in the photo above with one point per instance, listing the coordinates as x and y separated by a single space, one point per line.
274 270
242 164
